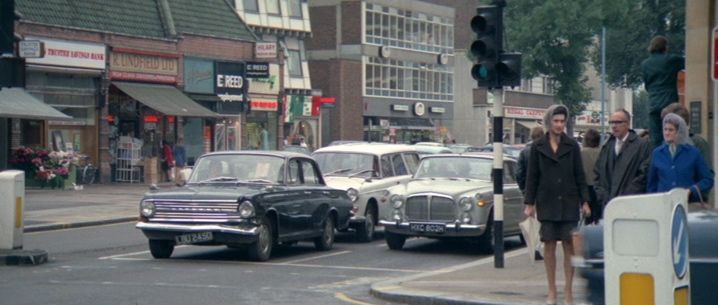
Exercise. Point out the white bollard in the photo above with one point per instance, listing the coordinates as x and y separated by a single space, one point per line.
12 199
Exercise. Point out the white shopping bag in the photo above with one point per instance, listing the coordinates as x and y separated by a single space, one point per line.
530 230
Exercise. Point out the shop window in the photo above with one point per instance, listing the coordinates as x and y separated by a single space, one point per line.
294 63
295 8
272 7
250 6
31 133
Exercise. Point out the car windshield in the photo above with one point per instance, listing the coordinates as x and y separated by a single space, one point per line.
238 168
347 164
455 167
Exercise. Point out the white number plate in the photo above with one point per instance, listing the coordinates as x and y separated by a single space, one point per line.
193 238
426 228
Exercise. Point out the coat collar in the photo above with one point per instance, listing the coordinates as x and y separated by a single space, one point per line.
544 146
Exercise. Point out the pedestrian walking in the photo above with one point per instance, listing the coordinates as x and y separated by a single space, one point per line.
168 160
180 157
677 163
589 156
622 165
660 76
698 141
556 192
536 133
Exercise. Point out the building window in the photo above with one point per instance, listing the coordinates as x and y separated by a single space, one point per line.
295 8
409 30
294 62
272 7
409 80
251 6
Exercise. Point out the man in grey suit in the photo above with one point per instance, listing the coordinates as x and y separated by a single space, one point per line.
622 165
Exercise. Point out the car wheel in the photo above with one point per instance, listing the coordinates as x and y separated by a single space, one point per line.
326 241
486 240
161 248
261 250
395 241
365 233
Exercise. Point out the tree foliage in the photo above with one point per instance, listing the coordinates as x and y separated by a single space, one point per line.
555 38
630 25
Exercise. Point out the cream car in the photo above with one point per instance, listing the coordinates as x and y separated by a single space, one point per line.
366 171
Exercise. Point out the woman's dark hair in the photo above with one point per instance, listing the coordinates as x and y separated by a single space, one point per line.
591 138
659 44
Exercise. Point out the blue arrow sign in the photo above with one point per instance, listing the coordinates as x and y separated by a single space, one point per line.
679 241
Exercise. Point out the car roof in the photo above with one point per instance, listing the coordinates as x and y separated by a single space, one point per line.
489 155
432 149
368 148
275 153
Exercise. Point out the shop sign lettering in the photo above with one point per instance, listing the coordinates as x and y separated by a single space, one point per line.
141 63
523 113
70 54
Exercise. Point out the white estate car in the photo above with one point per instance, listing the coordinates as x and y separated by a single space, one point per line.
366 171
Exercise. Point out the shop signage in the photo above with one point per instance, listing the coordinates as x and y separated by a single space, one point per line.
419 109
143 66
31 49
265 50
264 105
437 109
397 107
257 70
69 54
268 85
198 75
229 81
524 113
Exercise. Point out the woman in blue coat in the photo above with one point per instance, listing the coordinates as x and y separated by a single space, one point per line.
677 163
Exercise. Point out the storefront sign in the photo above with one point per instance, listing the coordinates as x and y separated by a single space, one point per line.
264 105
31 49
257 70
70 54
268 85
143 66
437 109
198 75
397 107
419 109
524 113
229 80
265 50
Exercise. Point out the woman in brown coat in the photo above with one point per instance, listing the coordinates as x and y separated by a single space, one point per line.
555 191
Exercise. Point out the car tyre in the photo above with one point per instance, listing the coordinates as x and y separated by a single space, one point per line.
395 241
365 232
161 248
326 240
261 250
486 240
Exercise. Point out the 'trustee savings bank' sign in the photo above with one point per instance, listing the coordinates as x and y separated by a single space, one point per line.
70 54
143 66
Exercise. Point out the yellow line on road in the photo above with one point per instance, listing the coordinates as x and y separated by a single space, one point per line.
347 299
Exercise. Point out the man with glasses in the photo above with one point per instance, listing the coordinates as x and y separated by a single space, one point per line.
622 165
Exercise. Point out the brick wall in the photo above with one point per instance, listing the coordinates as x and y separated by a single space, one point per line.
351 22
324 29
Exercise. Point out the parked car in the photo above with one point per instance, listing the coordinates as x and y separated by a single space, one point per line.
460 148
703 258
247 198
430 150
365 171
451 196
512 150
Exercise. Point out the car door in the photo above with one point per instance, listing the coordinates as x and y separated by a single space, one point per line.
316 197
513 199
290 209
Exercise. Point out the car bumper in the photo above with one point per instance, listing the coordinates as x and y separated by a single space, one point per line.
450 229
221 234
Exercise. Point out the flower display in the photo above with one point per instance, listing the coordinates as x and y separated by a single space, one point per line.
47 167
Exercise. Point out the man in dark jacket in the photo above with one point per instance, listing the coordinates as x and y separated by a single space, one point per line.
660 75
523 162
555 189
622 165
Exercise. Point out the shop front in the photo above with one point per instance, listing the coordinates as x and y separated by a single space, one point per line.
263 97
299 123
145 109
406 122
199 85
230 87
518 123
68 77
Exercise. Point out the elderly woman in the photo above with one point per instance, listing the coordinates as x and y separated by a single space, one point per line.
677 163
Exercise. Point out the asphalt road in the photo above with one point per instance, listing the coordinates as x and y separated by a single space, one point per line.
111 265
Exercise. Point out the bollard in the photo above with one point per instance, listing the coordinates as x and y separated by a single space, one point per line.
12 198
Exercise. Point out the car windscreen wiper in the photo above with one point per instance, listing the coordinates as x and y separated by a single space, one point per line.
256 181
362 172
341 170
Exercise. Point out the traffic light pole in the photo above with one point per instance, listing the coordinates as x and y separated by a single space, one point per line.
498 177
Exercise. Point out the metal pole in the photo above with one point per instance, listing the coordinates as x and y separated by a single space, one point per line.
498 175
603 83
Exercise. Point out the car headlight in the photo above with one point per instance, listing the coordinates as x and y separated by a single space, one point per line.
397 201
147 208
353 194
466 204
246 209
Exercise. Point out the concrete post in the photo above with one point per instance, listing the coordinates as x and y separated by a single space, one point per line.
12 198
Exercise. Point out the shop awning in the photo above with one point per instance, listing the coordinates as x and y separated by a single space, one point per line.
411 123
528 124
166 99
17 103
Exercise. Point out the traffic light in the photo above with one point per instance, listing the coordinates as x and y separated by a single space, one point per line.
509 69
487 24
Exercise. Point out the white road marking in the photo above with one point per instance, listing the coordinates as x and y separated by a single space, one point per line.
347 299
314 257
131 254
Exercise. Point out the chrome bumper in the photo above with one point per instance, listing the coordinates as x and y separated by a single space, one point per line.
450 229
196 228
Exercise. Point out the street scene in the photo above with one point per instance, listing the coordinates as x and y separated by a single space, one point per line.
362 152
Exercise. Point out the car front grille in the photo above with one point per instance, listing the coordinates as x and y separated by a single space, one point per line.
430 207
196 211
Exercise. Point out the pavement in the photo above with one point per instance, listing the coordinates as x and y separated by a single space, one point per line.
520 281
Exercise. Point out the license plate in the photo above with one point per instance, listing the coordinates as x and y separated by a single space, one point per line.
193 238
426 228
